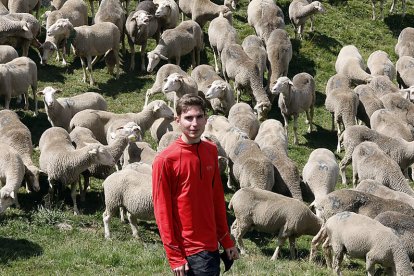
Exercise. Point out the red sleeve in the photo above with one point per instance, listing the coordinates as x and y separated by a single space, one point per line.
161 196
223 234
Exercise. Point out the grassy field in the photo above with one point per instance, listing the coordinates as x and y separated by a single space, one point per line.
36 241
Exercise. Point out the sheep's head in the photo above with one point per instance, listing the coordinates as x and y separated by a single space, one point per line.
262 109
161 110
163 10
48 48
27 33
231 4
32 177
48 93
153 60
173 83
216 123
216 89
101 154
282 85
131 130
7 198
62 26
142 19
318 6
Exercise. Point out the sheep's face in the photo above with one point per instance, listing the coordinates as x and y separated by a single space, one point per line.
142 19
48 94
6 199
163 10
172 83
32 178
282 84
60 27
153 60
318 6
48 49
102 155
162 110
262 109
216 90
231 4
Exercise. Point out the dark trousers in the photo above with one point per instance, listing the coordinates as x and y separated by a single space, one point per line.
204 263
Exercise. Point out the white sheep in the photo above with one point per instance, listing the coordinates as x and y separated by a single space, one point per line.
369 103
89 41
167 139
18 136
167 13
254 48
162 126
24 6
61 110
181 84
138 152
405 43
405 71
216 90
382 86
362 237
15 78
271 213
321 172
7 53
402 107
202 11
387 123
185 38
63 164
265 16
296 96
99 121
300 11
351 64
12 172
241 115
380 64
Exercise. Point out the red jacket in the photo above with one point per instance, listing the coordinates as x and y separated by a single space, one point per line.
189 201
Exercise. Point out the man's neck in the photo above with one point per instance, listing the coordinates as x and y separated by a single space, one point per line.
190 141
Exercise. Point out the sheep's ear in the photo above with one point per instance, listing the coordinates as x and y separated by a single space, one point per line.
163 57
40 93
113 135
58 91
12 195
209 86
165 79
156 107
25 28
290 83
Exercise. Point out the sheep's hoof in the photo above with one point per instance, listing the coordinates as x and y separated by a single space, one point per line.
108 237
64 63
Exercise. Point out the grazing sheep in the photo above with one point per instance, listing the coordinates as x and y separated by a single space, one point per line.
300 11
185 38
369 103
130 188
382 85
377 189
272 213
387 123
167 13
241 115
273 142
12 28
181 84
89 41
279 53
7 53
254 48
405 43
63 163
16 135
342 102
12 173
265 16
351 64
222 155
238 66
220 33
24 6
216 90
321 172
403 226
296 96
402 107
140 26
202 11
379 64
362 237
162 126
61 110
15 78
405 71
138 152
99 121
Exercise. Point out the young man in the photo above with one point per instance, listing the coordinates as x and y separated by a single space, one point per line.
188 197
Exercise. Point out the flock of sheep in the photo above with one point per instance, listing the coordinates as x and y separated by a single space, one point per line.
373 221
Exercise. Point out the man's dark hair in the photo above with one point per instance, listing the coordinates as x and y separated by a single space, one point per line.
189 100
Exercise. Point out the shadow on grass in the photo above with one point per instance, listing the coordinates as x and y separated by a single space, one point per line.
325 42
321 138
300 63
15 249
396 23
37 125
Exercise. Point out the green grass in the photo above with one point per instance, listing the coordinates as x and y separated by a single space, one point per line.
35 241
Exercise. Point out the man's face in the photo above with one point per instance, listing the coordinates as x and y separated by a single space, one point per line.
192 123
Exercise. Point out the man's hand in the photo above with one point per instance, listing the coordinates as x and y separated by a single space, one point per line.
181 270
232 253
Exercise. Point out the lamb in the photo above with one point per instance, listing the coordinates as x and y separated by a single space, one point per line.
138 152
7 53
140 26
217 91
15 78
403 226
239 67
379 64
273 142
296 96
16 134
405 71
89 41
369 103
167 13
99 121
61 110
377 189
24 6
185 38
181 84
342 102
271 213
241 115
12 173
351 64
405 43
167 139
370 162
387 123
362 237
63 163
321 172
254 48
220 33
130 188
202 11
300 11
279 53
265 16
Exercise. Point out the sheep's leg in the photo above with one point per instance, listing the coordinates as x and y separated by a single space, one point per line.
354 177
143 47
392 9
370 263
132 55
238 230
85 187
122 212
84 69
177 60
64 63
117 61
338 147
16 201
311 113
403 8
134 224
230 174
215 59
193 58
73 195
91 80
295 129
311 24
300 31
26 100
292 247
373 9
280 243
107 215
198 59
327 251
342 166
34 91
337 258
